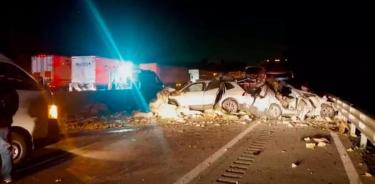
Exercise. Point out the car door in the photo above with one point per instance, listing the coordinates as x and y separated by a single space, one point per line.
192 95
32 113
211 92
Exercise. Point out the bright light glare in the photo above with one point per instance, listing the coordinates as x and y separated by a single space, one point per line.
126 70
103 27
111 42
53 112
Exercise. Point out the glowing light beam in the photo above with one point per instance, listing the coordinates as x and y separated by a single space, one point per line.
104 28
109 39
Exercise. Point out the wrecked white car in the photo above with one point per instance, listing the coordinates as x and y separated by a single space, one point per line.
231 97
205 95
298 103
225 94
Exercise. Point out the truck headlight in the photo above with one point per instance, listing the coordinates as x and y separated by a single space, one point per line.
53 112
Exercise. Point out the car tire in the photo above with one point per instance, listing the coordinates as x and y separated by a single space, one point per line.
19 148
230 105
327 111
274 111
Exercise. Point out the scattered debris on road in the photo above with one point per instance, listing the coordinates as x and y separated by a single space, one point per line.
58 180
310 145
317 140
322 144
118 120
307 139
367 174
294 165
321 139
162 111
143 115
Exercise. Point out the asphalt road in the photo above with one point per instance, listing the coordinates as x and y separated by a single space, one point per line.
267 156
156 154
163 154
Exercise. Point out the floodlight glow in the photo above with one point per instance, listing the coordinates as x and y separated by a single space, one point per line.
104 28
111 42
126 70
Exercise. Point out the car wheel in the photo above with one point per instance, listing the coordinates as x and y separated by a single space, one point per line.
230 105
327 111
19 148
274 111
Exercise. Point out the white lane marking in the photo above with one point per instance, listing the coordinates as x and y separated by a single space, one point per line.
188 177
121 130
351 172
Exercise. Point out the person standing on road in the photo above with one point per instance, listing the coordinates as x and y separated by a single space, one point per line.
9 101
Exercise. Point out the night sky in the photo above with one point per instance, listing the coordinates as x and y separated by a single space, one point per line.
329 45
187 31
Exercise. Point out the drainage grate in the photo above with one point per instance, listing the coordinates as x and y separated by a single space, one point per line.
238 168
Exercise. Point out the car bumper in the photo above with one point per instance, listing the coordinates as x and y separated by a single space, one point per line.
54 135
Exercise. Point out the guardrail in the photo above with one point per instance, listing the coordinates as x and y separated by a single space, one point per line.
358 120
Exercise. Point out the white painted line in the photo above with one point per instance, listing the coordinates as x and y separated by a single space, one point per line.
351 172
121 130
188 177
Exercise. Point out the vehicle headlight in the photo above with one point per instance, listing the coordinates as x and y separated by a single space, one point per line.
53 112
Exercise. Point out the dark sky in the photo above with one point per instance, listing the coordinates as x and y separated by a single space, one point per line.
331 45
169 31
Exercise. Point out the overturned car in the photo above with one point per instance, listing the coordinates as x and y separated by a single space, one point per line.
267 100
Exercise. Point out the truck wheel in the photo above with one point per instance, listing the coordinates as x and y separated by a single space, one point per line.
230 105
19 148
327 111
274 111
